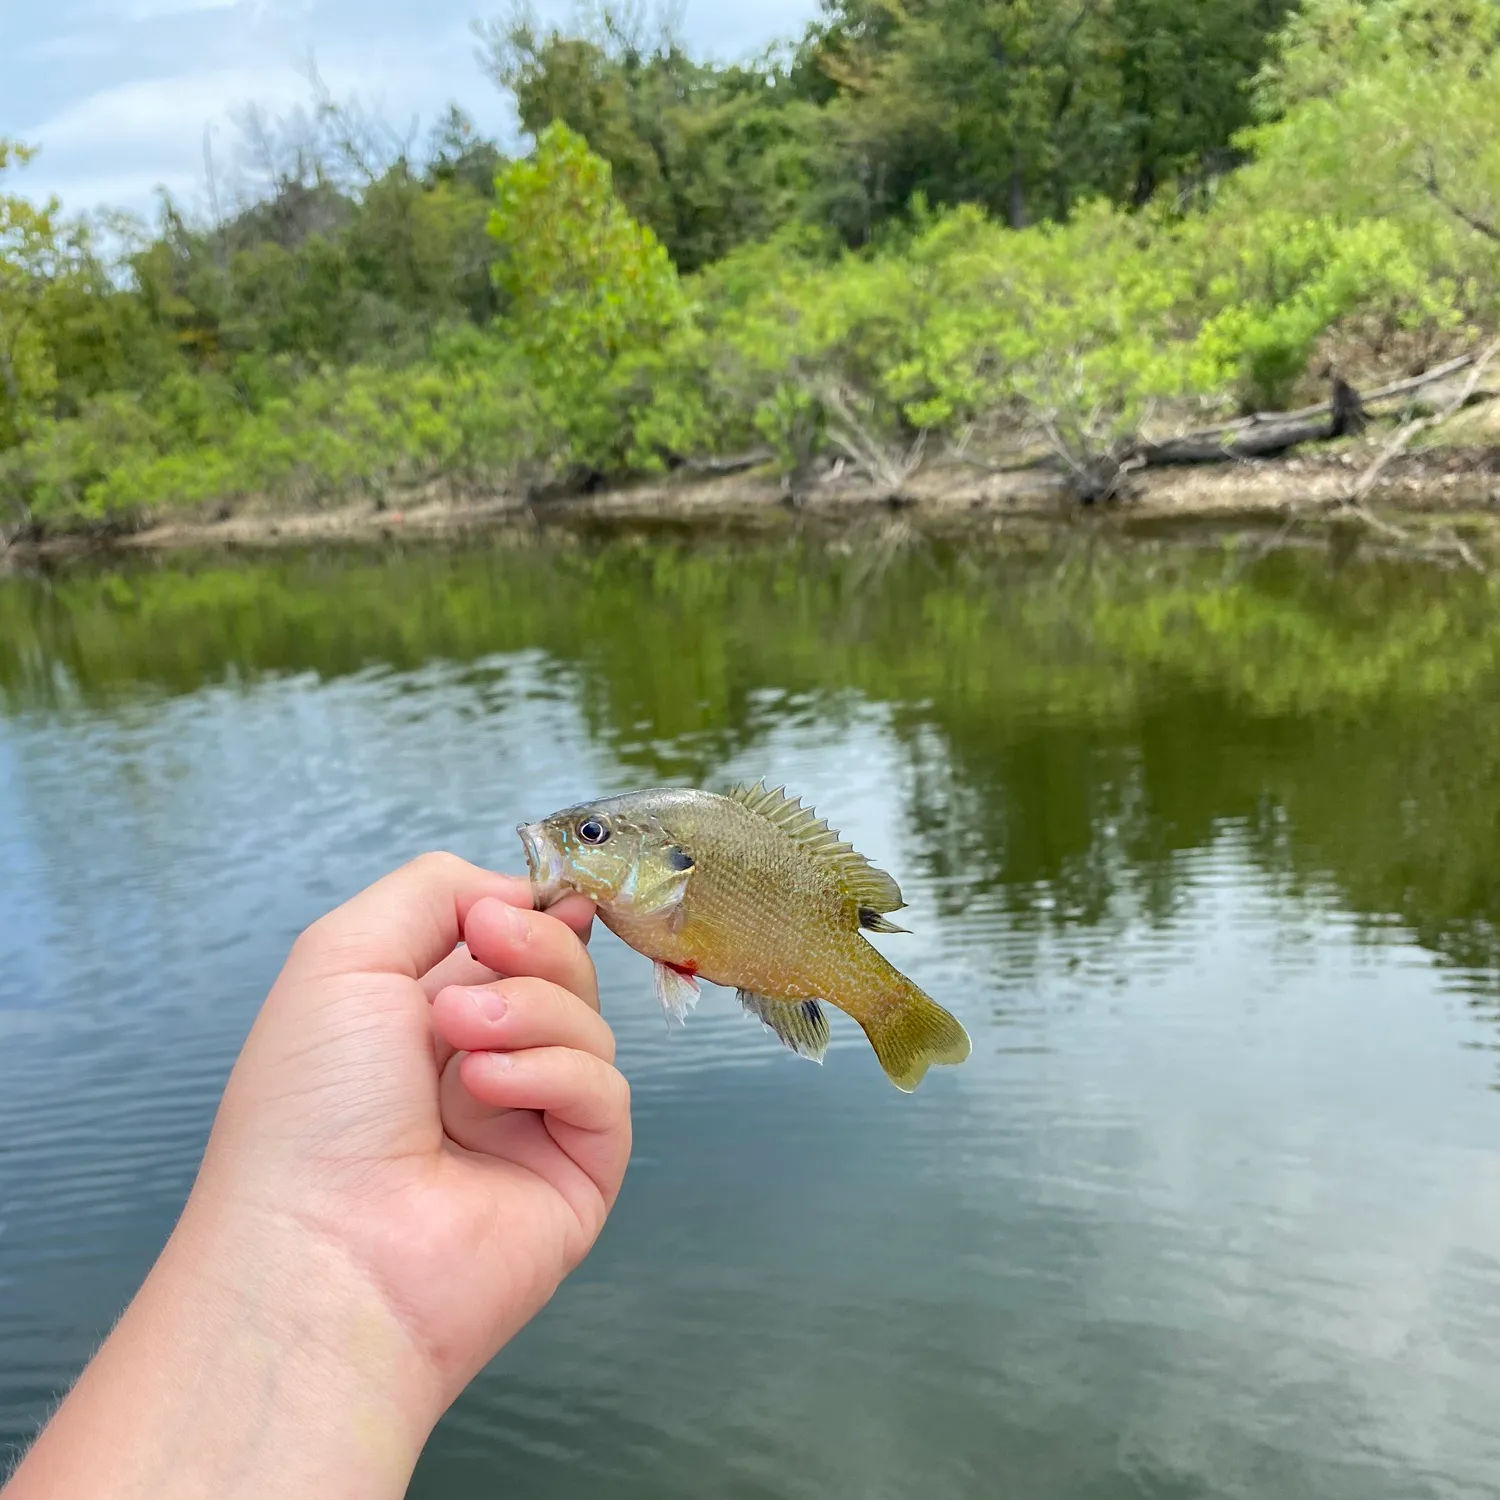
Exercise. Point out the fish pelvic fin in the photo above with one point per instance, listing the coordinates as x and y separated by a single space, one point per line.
909 1031
677 991
872 921
864 884
800 1024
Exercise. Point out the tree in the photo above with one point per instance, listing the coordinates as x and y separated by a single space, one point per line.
586 286
32 253
707 156
1185 85
1389 107
1025 106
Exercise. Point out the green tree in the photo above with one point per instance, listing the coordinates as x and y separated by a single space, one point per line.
1026 106
590 292
1185 76
32 254
1387 107
707 156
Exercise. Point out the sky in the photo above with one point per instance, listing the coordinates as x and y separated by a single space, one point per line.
119 93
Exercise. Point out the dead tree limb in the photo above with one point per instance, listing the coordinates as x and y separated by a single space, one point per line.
1349 415
1325 408
887 467
1265 439
1353 503
734 464
1403 436
1459 212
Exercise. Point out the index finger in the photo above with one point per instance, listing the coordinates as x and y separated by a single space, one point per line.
517 942
407 921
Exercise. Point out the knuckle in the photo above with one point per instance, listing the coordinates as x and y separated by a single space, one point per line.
435 864
580 1073
621 1099
310 943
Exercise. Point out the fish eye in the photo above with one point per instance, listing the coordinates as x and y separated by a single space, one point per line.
592 831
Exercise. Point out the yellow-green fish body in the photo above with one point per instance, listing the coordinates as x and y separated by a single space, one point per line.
755 892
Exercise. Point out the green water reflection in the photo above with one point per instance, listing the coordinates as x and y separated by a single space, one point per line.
1098 708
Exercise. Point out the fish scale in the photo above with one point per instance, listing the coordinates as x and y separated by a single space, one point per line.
752 891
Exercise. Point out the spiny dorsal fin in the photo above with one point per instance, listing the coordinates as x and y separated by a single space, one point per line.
868 886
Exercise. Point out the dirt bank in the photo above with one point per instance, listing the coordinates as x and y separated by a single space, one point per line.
1454 487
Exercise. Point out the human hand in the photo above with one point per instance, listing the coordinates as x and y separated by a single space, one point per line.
459 1137
410 1155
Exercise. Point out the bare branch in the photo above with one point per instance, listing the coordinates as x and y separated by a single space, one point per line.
1359 492
890 468
1480 226
1402 439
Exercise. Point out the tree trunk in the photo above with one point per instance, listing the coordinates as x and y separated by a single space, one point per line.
1017 195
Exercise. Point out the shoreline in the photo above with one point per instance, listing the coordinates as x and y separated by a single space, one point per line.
1454 488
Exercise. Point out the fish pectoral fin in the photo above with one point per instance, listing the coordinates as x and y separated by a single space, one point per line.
800 1024
872 921
656 895
678 992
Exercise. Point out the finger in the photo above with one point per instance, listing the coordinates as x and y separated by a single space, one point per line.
584 1101
575 1088
538 944
514 1014
460 967
574 911
406 923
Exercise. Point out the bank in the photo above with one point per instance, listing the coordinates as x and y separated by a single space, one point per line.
1449 488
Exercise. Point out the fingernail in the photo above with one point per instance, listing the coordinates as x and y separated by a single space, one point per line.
489 1004
499 1062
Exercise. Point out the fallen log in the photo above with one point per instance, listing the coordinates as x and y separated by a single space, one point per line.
735 464
1264 440
1325 408
1269 434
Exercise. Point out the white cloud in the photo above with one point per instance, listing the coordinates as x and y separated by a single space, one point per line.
151 10
154 112
119 98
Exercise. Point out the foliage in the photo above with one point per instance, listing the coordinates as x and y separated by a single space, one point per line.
935 223
709 157
31 258
592 293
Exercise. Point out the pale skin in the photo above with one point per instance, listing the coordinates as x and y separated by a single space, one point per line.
419 1141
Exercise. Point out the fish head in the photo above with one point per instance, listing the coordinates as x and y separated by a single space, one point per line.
616 851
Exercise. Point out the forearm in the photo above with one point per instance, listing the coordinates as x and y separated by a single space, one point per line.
249 1364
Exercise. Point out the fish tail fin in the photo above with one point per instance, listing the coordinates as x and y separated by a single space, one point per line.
911 1032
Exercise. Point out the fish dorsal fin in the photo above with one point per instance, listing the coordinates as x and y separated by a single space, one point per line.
860 879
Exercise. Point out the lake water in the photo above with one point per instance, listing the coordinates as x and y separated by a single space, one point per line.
1204 849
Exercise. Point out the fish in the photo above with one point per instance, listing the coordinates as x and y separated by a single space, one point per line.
753 891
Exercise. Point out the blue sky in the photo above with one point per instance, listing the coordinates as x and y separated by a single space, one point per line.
118 93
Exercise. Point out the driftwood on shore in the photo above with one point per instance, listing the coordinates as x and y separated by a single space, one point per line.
1263 435
1267 434
735 464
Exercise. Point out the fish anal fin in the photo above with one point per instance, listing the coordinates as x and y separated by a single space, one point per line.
800 1024
872 921
861 881
677 991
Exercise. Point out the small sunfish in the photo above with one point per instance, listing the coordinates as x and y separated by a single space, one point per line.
755 892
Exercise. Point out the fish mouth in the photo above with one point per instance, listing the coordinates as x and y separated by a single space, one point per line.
544 861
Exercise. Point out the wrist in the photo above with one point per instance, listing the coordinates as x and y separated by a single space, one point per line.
256 1361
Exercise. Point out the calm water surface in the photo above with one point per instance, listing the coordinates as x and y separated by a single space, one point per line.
1202 851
